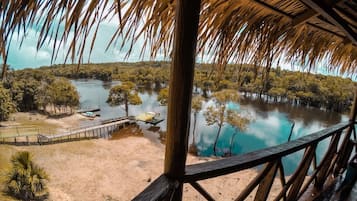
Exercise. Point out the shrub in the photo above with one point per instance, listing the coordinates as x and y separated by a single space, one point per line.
26 181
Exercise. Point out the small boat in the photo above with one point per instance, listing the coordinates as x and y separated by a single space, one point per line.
149 117
90 115
84 110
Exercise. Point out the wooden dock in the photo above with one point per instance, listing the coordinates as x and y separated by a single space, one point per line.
103 130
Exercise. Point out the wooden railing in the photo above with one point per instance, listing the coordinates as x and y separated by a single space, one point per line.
309 173
102 129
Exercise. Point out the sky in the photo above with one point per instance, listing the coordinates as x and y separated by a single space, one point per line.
28 56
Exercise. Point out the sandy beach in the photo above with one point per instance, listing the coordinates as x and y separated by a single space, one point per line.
117 170
37 119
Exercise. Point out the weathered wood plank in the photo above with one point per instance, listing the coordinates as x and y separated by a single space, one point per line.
282 177
236 163
333 17
344 148
161 189
202 191
266 183
343 157
301 173
76 132
254 183
326 161
303 17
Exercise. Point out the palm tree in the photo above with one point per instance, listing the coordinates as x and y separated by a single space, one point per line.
26 181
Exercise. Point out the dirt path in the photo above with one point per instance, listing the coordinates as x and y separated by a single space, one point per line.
114 170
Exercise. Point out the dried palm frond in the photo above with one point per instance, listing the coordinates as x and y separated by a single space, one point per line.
230 31
59 23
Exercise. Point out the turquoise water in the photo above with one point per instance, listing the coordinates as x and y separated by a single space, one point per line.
270 123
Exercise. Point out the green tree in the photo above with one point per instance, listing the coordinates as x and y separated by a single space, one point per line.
163 96
238 123
217 114
124 93
63 93
26 181
196 107
6 105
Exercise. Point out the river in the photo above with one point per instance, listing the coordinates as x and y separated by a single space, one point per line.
269 126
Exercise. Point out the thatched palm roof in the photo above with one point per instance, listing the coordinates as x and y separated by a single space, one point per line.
259 31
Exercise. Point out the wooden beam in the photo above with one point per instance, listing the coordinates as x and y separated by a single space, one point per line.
271 8
180 92
160 189
303 17
281 13
333 17
348 15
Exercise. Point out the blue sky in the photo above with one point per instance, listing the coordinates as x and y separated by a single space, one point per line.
27 56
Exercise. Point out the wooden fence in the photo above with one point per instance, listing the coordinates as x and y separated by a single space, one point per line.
310 173
103 130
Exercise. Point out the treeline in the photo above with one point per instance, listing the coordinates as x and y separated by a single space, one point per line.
110 71
34 89
298 88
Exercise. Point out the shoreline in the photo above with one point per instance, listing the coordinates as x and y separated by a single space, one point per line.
41 121
117 169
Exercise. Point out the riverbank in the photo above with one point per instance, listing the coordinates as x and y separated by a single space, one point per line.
26 121
103 169
113 170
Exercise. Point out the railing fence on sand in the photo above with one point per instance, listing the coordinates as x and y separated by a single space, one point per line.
104 130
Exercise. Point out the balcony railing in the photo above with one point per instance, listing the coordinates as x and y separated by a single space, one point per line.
309 173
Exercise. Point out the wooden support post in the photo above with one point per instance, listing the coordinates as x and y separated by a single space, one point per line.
341 165
180 93
300 174
325 164
267 182
353 113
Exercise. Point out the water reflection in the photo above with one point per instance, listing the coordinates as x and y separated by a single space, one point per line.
270 123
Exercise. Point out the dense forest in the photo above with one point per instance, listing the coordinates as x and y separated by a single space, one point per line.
48 88
291 87
28 90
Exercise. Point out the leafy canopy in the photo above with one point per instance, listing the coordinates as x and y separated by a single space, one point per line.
124 93
163 96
